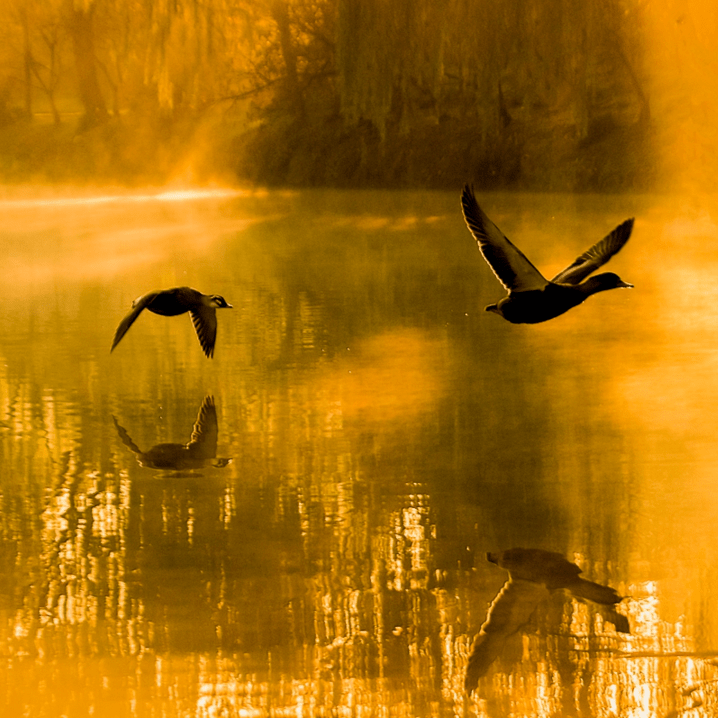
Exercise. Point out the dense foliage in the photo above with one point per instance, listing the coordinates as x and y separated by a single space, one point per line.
537 93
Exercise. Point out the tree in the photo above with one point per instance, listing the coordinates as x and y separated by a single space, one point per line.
80 21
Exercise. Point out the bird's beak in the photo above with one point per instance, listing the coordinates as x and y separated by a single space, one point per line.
229 306
625 285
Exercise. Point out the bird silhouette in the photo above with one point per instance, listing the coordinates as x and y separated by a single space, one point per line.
533 575
199 452
531 297
171 302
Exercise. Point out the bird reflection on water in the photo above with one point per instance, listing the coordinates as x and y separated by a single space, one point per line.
198 453
533 575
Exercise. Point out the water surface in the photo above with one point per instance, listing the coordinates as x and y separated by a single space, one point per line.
376 434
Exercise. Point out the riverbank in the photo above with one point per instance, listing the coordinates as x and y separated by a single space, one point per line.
324 152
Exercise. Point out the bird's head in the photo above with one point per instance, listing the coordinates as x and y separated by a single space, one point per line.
219 302
609 280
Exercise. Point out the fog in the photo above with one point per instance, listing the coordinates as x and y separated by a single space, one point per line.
610 95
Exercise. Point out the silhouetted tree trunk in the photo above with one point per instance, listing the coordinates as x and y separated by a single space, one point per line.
48 75
280 15
645 116
81 29
27 61
49 88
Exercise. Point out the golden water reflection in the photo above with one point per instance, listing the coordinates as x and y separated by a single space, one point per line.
385 434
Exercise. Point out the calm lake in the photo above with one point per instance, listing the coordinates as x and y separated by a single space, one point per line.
368 433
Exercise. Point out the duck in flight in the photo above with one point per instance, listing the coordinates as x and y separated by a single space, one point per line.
171 302
531 297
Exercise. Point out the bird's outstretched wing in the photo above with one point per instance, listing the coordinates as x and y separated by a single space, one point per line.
509 264
205 324
510 610
598 255
203 442
137 306
126 439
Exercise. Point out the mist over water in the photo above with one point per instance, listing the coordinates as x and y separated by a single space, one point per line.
368 433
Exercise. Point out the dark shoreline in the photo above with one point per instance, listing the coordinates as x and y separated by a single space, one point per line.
326 153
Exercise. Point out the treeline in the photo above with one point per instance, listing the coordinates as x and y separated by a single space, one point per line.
509 93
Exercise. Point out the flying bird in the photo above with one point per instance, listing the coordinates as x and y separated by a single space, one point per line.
533 575
171 302
200 451
531 297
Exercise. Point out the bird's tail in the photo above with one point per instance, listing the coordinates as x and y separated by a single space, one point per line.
617 619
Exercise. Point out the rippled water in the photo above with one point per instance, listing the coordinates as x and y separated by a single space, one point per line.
366 434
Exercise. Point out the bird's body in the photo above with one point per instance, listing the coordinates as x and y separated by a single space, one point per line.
531 297
538 305
553 571
170 303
